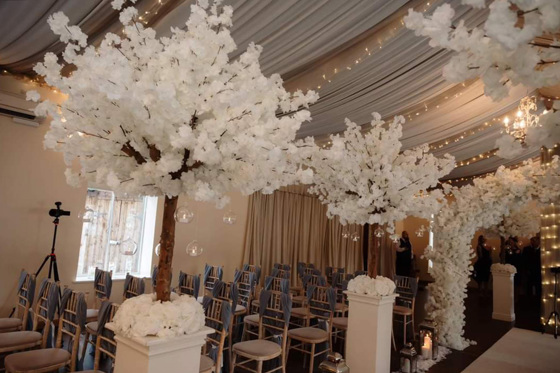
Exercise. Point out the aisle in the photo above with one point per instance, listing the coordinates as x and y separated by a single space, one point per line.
520 351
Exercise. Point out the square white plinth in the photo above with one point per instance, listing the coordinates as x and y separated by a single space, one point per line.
157 355
503 296
368 338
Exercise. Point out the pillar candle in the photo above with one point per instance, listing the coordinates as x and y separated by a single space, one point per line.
427 348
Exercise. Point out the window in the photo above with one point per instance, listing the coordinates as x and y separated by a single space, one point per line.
117 234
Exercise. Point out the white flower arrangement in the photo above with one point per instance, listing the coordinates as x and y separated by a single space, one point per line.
503 268
505 51
143 316
479 206
379 286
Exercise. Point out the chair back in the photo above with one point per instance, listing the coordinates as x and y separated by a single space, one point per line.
211 275
133 287
275 312
25 295
45 309
245 288
322 303
254 269
105 343
285 267
280 273
330 273
188 284
226 291
102 284
277 284
218 317
406 287
72 317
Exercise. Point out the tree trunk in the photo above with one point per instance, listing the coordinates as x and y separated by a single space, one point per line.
167 242
373 255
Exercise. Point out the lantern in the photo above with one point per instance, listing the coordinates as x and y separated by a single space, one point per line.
334 364
429 340
409 358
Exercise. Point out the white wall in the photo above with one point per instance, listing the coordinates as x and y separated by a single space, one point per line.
32 179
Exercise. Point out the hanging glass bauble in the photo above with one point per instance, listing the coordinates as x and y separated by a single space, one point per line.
378 232
395 238
128 247
420 231
345 233
183 215
86 215
355 236
157 249
194 248
230 217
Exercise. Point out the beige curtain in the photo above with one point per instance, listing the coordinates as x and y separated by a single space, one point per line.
386 252
291 226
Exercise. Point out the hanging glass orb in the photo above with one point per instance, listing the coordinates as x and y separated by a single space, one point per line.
194 248
183 215
395 238
157 249
355 236
345 233
128 247
378 232
86 215
420 231
230 217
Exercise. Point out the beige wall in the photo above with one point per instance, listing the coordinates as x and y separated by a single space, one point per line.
32 179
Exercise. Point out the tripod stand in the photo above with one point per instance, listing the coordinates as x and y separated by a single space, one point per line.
554 314
53 267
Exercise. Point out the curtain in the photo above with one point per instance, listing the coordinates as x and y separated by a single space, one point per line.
291 226
383 248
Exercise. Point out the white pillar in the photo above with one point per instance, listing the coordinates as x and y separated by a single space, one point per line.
158 355
502 292
368 338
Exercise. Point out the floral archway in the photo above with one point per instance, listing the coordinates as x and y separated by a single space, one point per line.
482 205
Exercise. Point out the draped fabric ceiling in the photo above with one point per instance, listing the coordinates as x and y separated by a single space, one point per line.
356 53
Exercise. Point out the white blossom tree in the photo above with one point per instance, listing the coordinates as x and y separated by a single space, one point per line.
365 178
170 116
518 43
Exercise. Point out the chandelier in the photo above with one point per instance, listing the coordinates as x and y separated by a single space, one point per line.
524 118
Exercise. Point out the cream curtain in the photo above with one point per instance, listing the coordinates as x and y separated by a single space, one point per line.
291 226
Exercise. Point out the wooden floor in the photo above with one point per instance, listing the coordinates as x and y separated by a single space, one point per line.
479 327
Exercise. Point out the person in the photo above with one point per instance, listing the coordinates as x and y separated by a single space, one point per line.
482 265
532 264
404 256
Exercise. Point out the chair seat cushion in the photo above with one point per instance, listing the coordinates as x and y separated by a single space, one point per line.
206 364
312 335
256 303
239 309
252 319
15 339
341 307
302 313
340 322
91 327
36 359
258 349
402 310
91 314
299 299
9 324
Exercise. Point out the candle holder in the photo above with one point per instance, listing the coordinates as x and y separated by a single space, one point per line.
429 328
409 359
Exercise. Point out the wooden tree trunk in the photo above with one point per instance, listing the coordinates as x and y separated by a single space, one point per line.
167 242
373 251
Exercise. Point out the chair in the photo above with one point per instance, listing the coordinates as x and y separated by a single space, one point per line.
102 285
71 318
218 317
255 269
133 287
188 284
321 304
275 284
303 313
331 271
228 292
105 342
43 315
93 326
211 275
406 287
25 295
273 318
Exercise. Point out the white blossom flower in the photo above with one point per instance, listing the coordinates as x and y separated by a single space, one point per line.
379 286
503 268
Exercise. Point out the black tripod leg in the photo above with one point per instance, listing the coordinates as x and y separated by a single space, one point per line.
42 265
55 269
